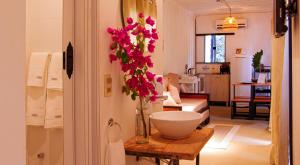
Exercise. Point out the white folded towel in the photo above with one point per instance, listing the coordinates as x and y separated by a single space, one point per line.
37 67
55 78
54 109
115 153
35 106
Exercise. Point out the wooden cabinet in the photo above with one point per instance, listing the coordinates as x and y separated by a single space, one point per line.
218 87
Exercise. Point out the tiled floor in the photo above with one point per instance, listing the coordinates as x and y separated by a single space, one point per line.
250 146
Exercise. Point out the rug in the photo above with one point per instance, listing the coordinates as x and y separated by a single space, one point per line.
223 135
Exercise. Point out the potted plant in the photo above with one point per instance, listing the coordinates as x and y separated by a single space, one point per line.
132 46
256 64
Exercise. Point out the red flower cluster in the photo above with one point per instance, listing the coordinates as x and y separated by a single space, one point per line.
134 59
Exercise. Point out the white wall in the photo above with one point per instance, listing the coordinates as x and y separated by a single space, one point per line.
44 25
12 92
179 41
118 106
296 89
257 36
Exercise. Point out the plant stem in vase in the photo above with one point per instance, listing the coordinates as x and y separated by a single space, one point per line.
142 127
143 118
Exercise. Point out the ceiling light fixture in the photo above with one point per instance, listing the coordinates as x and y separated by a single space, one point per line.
230 23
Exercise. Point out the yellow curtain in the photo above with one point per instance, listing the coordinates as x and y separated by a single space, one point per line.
279 120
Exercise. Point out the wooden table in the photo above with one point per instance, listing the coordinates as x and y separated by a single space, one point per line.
175 150
252 110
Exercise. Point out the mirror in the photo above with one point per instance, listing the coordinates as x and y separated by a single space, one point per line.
131 8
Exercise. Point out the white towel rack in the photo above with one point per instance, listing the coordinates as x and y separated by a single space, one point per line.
112 123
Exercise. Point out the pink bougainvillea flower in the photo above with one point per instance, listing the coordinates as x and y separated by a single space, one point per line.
150 64
129 27
148 59
155 36
153 98
141 15
131 54
150 21
124 67
159 79
135 32
151 42
150 76
129 20
134 62
133 82
154 92
151 48
110 30
140 29
147 33
112 58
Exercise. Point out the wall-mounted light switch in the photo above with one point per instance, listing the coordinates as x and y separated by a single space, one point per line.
107 85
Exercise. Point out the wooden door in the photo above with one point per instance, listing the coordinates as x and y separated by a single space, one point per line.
50 32
68 78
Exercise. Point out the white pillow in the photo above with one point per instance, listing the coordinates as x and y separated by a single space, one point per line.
170 101
174 93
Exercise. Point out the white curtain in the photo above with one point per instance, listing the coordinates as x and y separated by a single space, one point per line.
279 107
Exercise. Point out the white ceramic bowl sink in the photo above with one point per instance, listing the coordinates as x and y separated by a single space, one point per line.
175 124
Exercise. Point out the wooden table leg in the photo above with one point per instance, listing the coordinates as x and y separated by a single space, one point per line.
233 110
157 161
175 162
198 160
251 104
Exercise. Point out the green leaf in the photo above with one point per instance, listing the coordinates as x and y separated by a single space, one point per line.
138 37
125 90
133 96
119 53
128 91
124 57
138 72
114 45
256 59
141 46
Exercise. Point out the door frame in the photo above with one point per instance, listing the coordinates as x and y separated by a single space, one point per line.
86 81
69 90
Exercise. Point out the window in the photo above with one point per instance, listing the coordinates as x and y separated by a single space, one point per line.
215 48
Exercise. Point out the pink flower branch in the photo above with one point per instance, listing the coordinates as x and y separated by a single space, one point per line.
133 58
